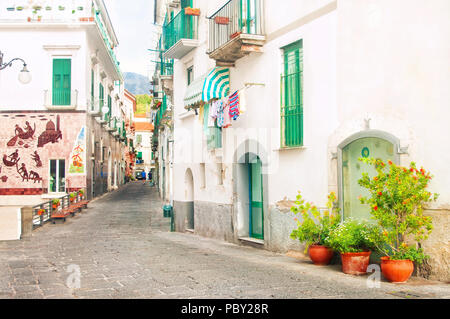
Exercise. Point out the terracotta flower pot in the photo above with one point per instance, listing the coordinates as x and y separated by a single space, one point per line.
320 255
355 263
396 270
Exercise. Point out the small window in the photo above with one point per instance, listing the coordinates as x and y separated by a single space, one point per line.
190 75
57 176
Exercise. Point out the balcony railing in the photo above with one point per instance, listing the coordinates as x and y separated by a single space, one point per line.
57 12
182 26
61 99
234 18
166 67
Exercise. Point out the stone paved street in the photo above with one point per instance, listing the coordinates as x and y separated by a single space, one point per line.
124 249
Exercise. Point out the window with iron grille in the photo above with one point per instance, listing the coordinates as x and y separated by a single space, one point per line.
292 96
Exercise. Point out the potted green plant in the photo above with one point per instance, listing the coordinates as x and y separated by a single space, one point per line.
398 196
55 203
20 8
354 240
72 196
314 227
81 193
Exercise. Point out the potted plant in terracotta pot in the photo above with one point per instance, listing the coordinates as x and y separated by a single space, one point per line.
314 227
55 203
398 196
81 193
354 240
72 196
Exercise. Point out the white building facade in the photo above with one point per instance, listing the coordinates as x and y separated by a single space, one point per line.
325 82
73 103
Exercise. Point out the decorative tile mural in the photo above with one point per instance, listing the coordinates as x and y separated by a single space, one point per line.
28 140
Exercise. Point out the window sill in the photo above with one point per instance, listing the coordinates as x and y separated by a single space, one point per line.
53 195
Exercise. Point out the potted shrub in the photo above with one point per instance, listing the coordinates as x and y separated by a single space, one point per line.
314 228
72 196
55 203
397 199
41 212
81 193
354 240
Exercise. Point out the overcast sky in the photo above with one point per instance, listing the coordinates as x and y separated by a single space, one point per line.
132 20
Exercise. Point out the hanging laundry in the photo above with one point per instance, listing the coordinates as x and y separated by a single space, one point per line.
226 115
200 114
243 101
220 115
234 105
214 108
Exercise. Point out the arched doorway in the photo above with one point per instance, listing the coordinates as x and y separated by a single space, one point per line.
189 197
368 144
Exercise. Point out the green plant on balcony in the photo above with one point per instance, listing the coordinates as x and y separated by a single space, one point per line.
61 8
19 8
48 8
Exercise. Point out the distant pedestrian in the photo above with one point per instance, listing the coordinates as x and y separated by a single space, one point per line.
143 176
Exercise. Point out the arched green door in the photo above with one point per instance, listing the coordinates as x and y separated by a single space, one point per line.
352 170
256 215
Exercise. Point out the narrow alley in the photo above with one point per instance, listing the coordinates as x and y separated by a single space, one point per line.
123 248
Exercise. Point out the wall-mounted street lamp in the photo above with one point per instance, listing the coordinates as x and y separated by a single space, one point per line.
24 75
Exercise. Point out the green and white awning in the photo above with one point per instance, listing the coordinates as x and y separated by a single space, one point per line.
217 84
194 91
213 85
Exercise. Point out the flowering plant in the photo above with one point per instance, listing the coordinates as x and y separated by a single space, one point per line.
314 230
41 212
397 199
353 236
55 202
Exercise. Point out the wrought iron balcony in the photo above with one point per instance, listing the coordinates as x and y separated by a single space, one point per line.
180 35
236 30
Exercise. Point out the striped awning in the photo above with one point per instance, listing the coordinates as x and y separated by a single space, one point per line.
213 85
194 91
217 84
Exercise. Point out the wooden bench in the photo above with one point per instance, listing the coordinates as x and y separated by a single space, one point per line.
81 204
64 213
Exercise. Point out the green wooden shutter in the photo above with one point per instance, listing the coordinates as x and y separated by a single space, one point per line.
101 96
61 81
292 96
108 115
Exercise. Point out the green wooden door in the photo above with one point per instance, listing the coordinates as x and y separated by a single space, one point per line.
61 81
292 99
256 221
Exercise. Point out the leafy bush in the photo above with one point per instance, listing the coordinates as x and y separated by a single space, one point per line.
353 236
314 230
397 199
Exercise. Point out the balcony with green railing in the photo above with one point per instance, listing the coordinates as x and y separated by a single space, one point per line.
236 30
180 35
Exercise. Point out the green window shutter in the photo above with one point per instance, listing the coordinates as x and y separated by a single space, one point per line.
292 96
108 115
101 96
61 81
139 155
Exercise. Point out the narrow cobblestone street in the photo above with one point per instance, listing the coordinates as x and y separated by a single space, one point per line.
124 249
